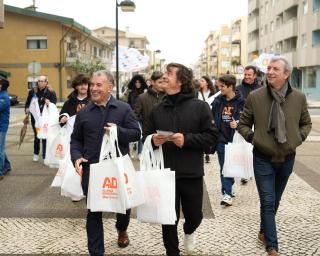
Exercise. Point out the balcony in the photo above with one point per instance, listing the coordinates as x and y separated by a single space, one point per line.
253 24
253 5
283 5
235 39
287 30
253 45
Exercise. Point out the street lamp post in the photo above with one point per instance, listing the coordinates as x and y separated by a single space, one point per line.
126 6
154 59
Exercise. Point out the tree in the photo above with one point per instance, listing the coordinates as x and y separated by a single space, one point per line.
87 68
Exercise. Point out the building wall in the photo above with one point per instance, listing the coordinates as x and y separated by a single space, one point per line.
296 23
14 55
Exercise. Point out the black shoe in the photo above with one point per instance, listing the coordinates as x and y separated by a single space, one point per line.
207 158
1 177
244 181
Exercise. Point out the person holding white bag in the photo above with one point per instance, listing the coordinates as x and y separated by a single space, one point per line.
90 125
226 110
189 120
44 94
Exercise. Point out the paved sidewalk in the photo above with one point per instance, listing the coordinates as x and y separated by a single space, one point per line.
232 232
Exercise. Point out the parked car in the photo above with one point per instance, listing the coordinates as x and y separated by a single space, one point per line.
14 100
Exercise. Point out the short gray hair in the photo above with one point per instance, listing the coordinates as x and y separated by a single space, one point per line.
287 64
105 73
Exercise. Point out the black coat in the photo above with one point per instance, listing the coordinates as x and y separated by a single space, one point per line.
191 117
244 89
88 129
73 105
42 95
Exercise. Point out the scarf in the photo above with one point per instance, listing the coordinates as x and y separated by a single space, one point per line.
277 120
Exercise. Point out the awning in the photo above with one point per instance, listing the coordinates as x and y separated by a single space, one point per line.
4 73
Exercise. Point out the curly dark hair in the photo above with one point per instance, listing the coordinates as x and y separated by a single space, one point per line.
210 84
80 79
132 83
184 76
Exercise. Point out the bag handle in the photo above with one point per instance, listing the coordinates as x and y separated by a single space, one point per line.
110 145
150 158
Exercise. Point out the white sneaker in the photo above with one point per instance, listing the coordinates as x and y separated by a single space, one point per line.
189 243
35 158
226 200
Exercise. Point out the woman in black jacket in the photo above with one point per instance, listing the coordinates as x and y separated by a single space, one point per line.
205 91
136 86
77 99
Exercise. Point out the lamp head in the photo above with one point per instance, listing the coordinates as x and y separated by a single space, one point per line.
127 6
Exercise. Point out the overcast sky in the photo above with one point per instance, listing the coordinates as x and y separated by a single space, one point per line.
176 27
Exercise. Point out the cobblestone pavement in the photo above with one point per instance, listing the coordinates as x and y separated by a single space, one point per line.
232 232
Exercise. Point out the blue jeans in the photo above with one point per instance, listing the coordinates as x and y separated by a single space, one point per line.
4 162
271 179
226 183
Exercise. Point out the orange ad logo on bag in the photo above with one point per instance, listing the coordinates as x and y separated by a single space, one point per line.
126 180
110 182
59 150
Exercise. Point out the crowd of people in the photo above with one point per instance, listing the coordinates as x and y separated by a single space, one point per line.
268 113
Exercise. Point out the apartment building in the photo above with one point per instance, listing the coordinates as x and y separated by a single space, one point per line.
225 50
290 28
55 42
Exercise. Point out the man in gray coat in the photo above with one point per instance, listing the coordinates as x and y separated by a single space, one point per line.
281 123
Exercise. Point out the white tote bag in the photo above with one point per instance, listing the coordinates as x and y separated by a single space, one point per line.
159 188
238 160
71 184
134 191
107 191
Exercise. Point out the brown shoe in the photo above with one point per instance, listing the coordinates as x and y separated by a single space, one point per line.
123 239
272 252
261 238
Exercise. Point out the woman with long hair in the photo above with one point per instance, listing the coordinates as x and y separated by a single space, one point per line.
205 91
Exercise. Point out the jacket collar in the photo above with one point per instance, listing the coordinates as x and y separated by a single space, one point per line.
181 97
112 102
288 91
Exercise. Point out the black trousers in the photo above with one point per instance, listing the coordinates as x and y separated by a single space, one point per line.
94 224
36 142
189 193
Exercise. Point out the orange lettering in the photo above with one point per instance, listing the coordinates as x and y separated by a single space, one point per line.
59 148
126 178
110 183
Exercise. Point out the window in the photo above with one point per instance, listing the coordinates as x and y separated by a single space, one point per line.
37 42
316 37
271 49
305 7
310 77
267 7
69 83
304 40
261 31
225 51
225 38
272 26
225 64
95 51
273 2
316 5
84 47
266 29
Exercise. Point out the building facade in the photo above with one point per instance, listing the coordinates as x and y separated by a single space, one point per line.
54 42
290 28
225 50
